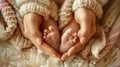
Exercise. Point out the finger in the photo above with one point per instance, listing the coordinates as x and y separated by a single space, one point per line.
45 48
38 40
41 45
93 27
75 49
35 36
48 50
64 56
84 18
85 31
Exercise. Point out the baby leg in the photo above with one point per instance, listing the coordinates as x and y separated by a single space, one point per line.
69 36
51 34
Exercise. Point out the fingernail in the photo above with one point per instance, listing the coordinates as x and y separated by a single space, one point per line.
54 55
38 40
83 40
69 53
65 56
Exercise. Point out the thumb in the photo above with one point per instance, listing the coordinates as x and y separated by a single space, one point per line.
83 40
39 40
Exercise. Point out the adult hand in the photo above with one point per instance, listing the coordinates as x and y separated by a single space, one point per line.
31 22
87 20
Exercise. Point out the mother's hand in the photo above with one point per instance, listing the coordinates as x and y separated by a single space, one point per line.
31 22
87 20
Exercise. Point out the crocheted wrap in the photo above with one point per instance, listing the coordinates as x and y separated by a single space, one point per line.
10 21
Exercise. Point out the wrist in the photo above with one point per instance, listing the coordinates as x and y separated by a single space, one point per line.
83 14
33 17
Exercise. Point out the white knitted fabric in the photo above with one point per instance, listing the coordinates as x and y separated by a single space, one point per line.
65 14
34 7
10 20
45 8
21 2
90 4
102 2
54 11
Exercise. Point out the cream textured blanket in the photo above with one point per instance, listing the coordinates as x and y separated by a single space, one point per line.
10 57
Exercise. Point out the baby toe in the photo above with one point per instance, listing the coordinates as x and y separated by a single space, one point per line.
51 28
74 40
46 31
44 37
75 34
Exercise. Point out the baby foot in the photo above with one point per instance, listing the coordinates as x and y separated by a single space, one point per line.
68 40
51 36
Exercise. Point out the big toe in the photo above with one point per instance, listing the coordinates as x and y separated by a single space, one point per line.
51 28
46 31
75 37
68 33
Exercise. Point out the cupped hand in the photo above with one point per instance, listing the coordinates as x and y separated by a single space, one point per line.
31 22
87 21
